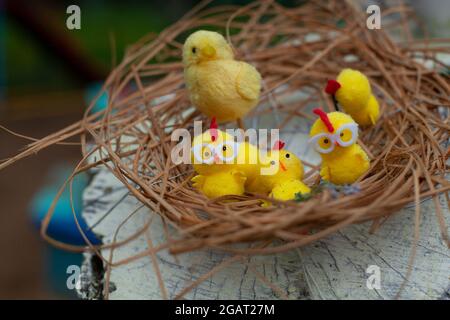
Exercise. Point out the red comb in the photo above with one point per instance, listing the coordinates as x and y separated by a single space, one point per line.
324 117
332 87
213 129
278 145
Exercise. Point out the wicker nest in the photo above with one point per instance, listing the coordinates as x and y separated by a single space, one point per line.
295 50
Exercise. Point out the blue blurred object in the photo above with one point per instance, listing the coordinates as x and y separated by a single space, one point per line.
56 264
62 225
91 93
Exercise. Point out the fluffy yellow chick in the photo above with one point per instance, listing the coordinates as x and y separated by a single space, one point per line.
222 164
352 90
218 85
334 136
288 189
221 183
282 176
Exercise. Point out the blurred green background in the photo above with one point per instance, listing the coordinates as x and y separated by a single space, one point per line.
40 58
33 64
31 60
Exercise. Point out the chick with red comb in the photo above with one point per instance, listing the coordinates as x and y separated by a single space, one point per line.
227 167
334 136
352 91
213 156
281 175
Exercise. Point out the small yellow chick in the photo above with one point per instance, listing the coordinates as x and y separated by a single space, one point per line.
282 176
352 90
221 163
221 183
288 189
334 136
218 85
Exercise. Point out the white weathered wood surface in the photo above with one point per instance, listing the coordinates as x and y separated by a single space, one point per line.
334 268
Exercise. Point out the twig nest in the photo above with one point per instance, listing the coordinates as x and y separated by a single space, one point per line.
149 102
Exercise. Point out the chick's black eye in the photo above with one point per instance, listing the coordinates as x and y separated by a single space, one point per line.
272 162
287 155
194 49
224 148
342 134
326 140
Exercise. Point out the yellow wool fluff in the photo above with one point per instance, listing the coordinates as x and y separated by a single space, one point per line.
218 85
343 165
243 172
286 180
356 98
220 178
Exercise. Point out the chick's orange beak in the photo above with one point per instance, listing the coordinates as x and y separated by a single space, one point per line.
283 167
209 51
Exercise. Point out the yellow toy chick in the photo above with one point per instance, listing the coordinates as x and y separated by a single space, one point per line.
352 90
221 163
228 167
218 85
282 178
334 136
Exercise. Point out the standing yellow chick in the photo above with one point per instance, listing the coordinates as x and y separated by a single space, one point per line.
352 90
218 85
221 163
334 136
283 175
